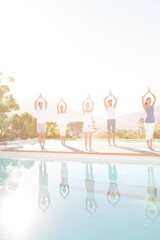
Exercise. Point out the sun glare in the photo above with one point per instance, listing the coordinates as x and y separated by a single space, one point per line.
17 216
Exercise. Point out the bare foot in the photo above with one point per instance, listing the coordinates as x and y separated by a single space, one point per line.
152 149
41 148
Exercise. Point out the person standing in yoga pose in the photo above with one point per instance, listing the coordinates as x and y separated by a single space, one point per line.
90 203
150 119
113 194
152 209
111 121
41 120
64 186
44 200
61 110
87 122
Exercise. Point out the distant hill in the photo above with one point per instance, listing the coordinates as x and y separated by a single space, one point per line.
126 121
130 120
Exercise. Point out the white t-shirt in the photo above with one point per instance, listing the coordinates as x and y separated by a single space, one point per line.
62 118
111 112
87 118
41 115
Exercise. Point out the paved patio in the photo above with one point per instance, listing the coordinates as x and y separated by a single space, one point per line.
77 146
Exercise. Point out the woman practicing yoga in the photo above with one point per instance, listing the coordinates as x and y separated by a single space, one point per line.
150 119
152 208
62 120
87 121
90 203
41 113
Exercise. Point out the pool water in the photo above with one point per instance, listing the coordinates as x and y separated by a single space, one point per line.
46 200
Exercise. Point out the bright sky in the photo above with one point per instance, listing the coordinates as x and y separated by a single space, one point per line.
70 48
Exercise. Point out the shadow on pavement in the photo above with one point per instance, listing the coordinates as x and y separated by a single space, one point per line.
73 149
135 150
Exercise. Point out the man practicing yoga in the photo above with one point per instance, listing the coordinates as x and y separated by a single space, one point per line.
41 120
113 195
111 121
44 200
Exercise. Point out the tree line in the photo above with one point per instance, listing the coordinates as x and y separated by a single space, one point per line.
139 133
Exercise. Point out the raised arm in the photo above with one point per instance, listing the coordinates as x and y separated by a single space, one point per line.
91 103
68 190
115 99
108 197
45 102
154 97
65 106
39 202
143 103
49 201
58 106
86 206
105 104
147 215
60 189
83 109
35 103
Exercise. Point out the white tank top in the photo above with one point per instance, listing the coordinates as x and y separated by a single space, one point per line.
87 118
111 112
62 118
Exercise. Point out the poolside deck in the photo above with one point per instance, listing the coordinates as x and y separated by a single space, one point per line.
99 148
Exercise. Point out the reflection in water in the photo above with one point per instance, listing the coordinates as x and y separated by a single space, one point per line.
113 195
64 186
8 182
10 172
152 210
43 198
90 204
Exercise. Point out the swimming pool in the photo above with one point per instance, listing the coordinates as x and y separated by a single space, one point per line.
46 198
